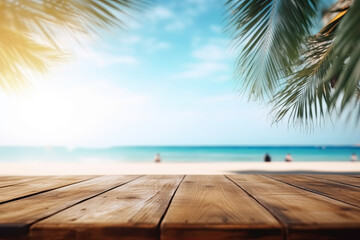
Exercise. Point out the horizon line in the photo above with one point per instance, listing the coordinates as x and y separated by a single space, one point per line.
190 146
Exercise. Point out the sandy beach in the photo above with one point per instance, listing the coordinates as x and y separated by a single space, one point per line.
112 168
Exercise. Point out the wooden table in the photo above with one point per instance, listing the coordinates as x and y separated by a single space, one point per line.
180 207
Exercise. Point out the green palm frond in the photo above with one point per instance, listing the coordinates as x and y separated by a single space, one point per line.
357 99
305 76
269 34
305 96
30 31
345 66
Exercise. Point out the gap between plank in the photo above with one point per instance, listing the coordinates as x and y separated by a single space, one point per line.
312 191
44 191
13 184
167 208
335 181
81 201
283 226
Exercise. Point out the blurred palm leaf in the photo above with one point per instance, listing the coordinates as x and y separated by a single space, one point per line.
269 34
30 31
306 96
346 61
299 71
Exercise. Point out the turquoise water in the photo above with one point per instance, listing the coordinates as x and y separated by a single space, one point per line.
178 154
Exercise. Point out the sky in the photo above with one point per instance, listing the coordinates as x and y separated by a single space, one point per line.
164 80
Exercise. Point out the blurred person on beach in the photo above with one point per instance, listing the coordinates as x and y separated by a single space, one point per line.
157 158
267 158
288 158
354 157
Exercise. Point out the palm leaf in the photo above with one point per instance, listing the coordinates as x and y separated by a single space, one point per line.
346 59
31 31
306 94
269 34
18 53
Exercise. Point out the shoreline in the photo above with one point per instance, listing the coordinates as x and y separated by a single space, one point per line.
203 168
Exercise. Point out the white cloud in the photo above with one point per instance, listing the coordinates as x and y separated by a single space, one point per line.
176 25
153 45
196 7
212 60
216 29
130 40
104 59
132 23
219 41
211 52
177 15
202 70
160 13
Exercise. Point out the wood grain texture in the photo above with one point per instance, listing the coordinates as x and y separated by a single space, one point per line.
213 207
305 215
28 188
350 180
16 216
203 207
338 191
132 211
13 180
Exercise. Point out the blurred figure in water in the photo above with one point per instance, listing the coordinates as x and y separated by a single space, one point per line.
288 158
157 158
354 157
267 158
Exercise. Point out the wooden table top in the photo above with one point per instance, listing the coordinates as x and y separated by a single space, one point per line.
180 207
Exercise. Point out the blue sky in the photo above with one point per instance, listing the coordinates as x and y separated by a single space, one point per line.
165 80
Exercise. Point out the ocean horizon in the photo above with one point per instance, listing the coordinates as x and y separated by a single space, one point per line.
230 153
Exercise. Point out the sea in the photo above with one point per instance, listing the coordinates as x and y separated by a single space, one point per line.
178 153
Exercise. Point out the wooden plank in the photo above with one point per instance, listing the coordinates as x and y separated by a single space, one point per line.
28 188
338 191
13 180
350 180
213 207
132 211
305 215
16 216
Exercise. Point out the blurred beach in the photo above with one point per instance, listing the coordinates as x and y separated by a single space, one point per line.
177 160
171 154
113 168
